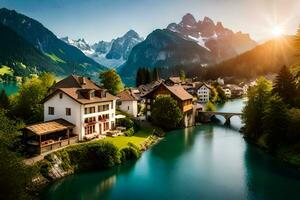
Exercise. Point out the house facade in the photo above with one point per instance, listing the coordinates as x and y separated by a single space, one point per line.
183 98
203 92
83 103
128 102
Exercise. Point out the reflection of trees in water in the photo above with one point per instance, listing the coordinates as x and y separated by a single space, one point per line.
106 184
90 185
174 144
268 178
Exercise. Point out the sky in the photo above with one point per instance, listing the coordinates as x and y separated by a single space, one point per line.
97 20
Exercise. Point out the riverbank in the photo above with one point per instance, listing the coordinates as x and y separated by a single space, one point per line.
92 156
288 154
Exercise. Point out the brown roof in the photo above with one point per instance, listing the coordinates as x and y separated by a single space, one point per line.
52 126
73 81
202 84
175 79
144 89
75 86
176 90
127 95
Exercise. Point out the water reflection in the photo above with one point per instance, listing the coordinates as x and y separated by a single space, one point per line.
279 183
205 162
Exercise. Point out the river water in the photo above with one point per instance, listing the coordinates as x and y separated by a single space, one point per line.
9 87
204 162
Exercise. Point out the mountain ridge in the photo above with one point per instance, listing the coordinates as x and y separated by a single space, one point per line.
111 54
201 43
69 58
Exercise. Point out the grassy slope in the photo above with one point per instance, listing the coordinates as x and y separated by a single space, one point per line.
137 139
5 70
55 58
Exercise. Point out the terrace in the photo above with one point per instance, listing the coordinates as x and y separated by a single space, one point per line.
47 136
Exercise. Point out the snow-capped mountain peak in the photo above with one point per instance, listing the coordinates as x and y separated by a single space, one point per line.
111 54
222 42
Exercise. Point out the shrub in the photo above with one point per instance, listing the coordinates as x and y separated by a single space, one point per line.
159 132
129 132
132 152
99 154
126 122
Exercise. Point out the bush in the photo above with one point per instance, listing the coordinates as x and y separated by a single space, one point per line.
132 152
126 122
95 155
159 132
209 106
129 132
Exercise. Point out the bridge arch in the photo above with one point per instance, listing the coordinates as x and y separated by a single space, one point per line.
227 115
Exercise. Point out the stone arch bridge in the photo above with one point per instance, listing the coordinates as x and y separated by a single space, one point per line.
206 115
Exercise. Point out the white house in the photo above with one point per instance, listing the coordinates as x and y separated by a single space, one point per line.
227 92
203 92
81 102
128 102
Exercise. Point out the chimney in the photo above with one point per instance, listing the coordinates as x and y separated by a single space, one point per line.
82 80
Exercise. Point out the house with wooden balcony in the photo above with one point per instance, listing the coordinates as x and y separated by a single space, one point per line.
75 107
183 98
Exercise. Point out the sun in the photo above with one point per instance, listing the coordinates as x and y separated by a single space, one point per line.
277 31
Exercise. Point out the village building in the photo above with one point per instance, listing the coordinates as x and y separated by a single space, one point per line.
227 91
128 101
75 106
183 98
203 92
233 90
173 80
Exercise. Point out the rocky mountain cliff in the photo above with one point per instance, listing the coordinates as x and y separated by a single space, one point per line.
202 43
111 54
221 41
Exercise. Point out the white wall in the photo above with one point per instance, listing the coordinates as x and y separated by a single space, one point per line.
60 106
130 107
203 94
77 116
111 112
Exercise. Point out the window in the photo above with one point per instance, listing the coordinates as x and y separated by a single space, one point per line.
90 120
102 108
106 126
60 95
89 129
68 111
112 105
89 110
51 110
93 94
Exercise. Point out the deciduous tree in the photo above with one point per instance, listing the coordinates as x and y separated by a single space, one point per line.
111 81
165 113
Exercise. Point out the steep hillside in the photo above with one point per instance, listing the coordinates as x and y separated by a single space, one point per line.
265 58
163 48
21 56
188 43
67 57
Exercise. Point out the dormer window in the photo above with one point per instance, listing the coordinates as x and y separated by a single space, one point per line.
92 94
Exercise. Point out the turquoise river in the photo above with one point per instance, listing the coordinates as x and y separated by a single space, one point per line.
205 162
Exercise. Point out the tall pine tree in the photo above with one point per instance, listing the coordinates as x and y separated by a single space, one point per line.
155 76
285 87
4 102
